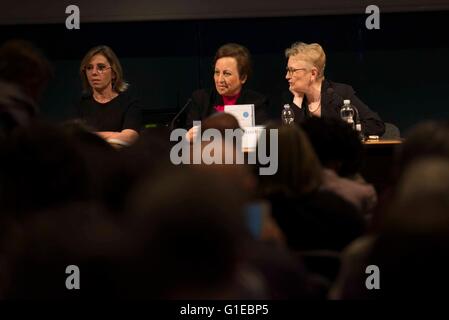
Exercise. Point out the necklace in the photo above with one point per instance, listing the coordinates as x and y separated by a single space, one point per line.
104 99
316 109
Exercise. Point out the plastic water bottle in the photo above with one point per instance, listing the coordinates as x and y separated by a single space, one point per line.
287 116
358 128
347 113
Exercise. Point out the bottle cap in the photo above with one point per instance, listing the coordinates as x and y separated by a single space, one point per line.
286 106
347 101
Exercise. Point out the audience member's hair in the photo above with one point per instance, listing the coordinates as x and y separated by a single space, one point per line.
299 170
38 251
195 233
41 167
336 144
411 248
220 121
24 65
426 139
16 109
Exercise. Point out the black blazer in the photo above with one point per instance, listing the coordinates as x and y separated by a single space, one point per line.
204 101
332 96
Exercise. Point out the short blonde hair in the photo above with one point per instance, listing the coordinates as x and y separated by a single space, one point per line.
312 53
118 84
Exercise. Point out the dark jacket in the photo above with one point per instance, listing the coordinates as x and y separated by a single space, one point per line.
332 96
204 101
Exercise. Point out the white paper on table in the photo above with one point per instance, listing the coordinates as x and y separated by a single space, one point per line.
244 113
250 138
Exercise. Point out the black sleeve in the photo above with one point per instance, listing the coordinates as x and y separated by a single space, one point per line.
133 116
261 109
371 122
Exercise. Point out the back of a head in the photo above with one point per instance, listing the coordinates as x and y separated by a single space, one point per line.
220 121
429 138
24 65
41 167
421 200
299 171
16 109
412 250
193 226
335 143
37 252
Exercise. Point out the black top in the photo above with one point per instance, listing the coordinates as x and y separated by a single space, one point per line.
332 96
204 101
122 112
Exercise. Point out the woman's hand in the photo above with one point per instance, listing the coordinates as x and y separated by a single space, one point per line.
124 137
191 134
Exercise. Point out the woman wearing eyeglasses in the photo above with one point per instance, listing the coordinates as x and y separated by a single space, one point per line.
232 67
313 95
106 105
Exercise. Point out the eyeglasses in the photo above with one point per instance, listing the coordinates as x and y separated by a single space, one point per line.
101 68
291 71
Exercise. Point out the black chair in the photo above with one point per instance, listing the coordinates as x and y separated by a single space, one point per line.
391 132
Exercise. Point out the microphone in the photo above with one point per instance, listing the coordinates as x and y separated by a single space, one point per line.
172 123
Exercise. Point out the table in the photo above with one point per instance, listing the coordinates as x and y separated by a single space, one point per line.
378 162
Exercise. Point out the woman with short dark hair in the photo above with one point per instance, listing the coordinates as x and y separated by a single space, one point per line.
232 67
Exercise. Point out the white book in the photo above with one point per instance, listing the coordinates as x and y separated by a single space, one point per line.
244 113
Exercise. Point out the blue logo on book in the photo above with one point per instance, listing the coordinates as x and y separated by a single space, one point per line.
245 114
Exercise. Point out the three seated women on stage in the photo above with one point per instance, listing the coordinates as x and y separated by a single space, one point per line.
116 116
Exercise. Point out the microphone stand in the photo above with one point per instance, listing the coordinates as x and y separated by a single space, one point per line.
172 124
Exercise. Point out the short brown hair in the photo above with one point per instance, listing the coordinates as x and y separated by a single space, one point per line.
118 84
240 54
26 66
299 170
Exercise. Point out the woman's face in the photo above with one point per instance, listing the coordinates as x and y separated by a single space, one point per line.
227 78
299 75
99 73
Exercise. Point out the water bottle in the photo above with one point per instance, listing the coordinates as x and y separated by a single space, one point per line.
358 128
347 113
288 116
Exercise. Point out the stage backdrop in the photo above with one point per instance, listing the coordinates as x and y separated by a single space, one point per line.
400 70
